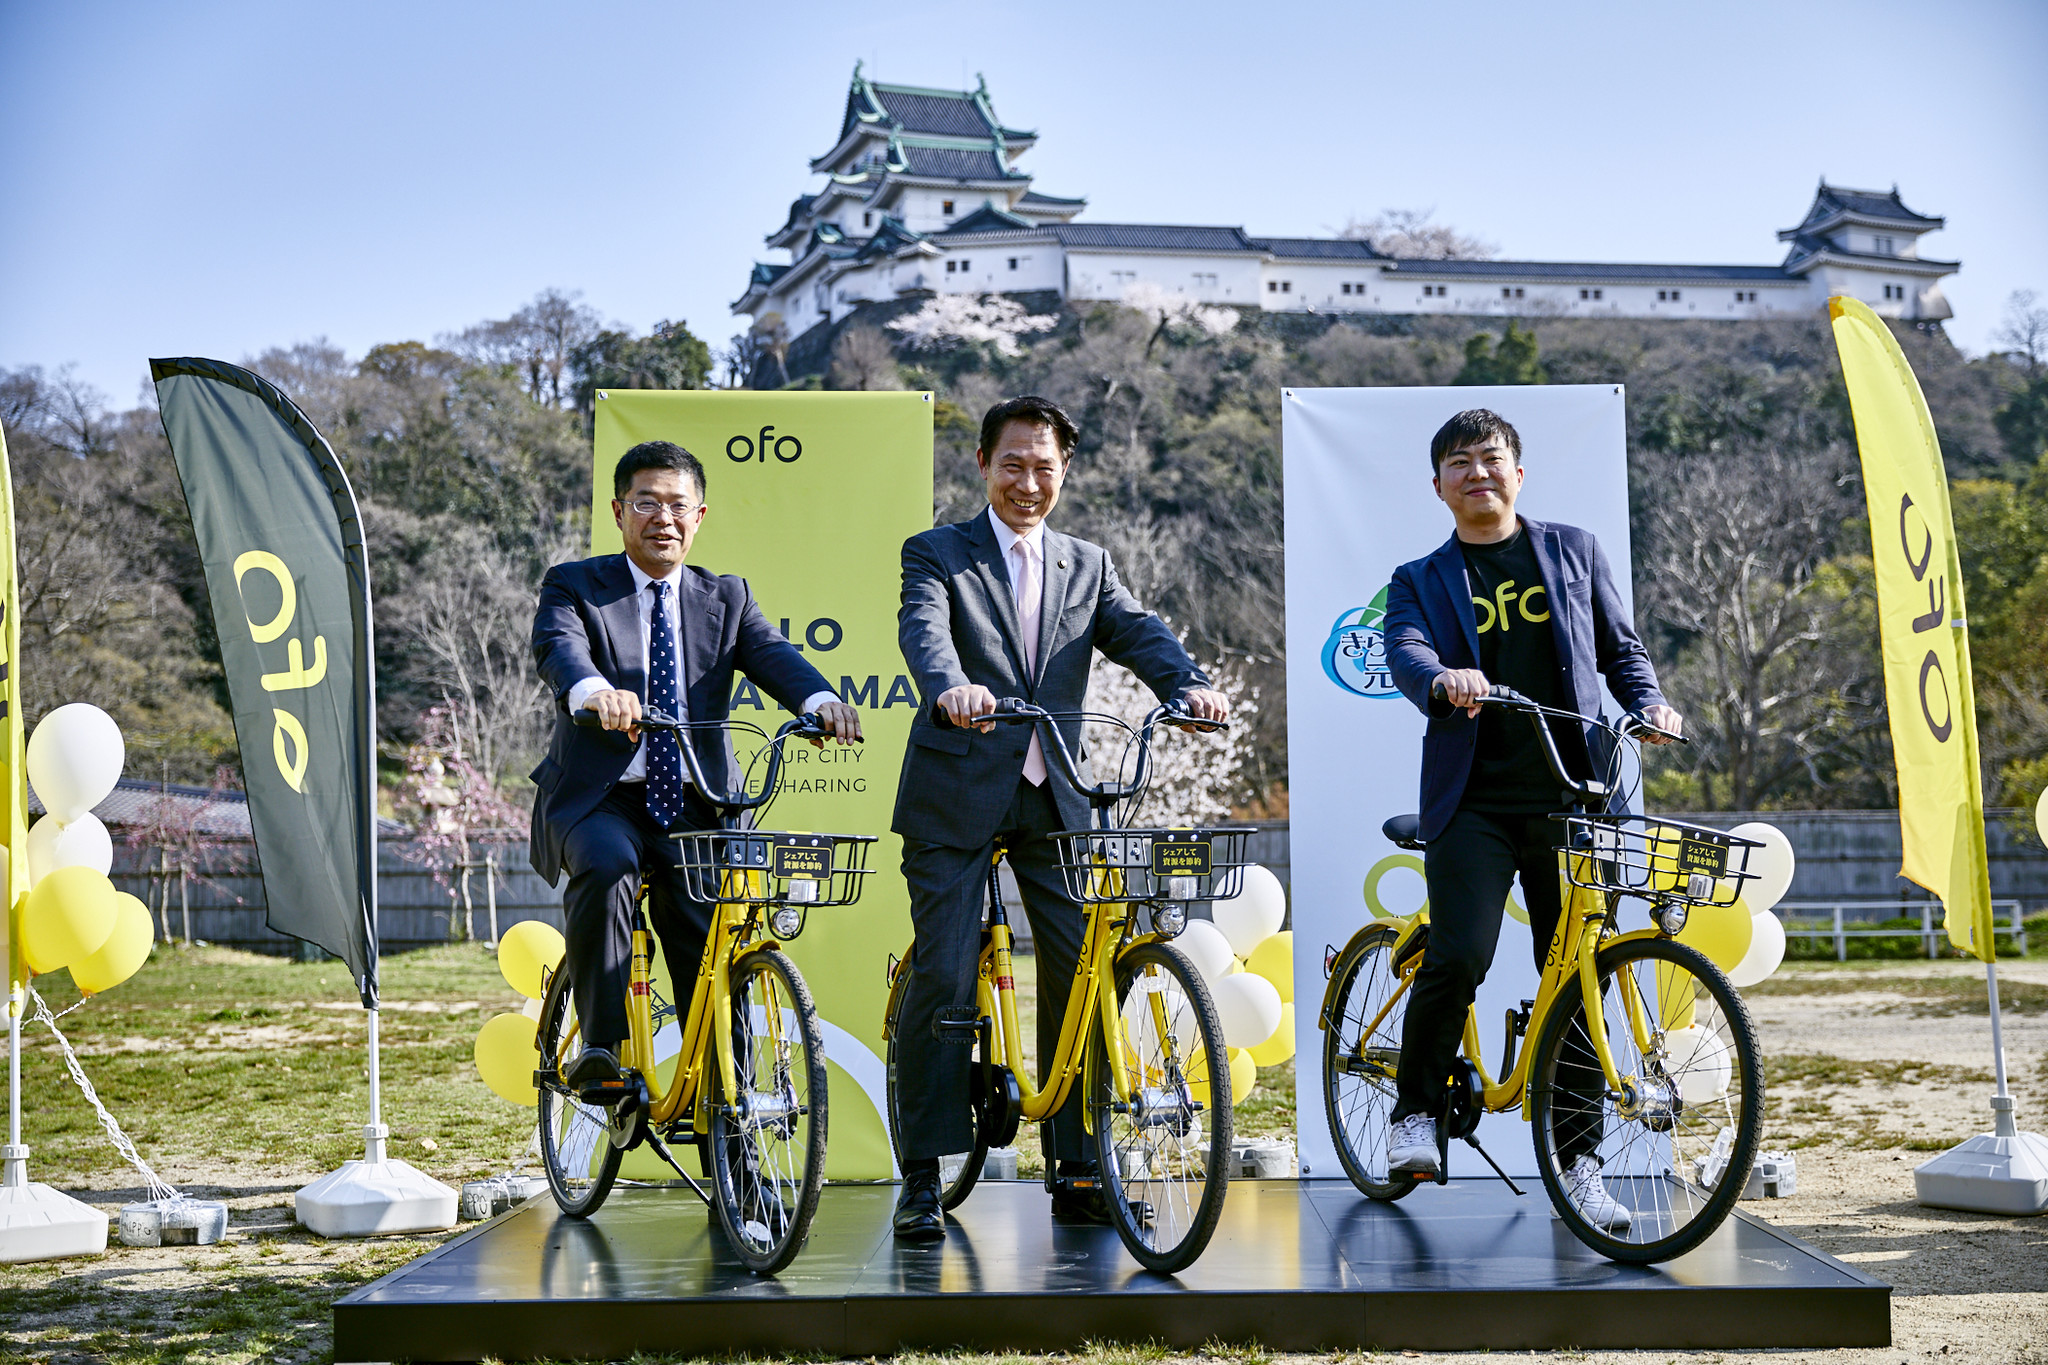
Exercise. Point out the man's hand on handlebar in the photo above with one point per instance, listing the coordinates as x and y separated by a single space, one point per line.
840 721
1464 687
965 705
1666 719
1204 704
617 709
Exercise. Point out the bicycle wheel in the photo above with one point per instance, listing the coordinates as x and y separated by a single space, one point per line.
1165 1155
1358 1070
966 1166
575 1142
1675 1147
768 1139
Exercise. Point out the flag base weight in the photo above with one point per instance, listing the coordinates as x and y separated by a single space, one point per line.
38 1223
376 1196
2005 1171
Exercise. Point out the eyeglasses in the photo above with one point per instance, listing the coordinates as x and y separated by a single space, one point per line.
646 507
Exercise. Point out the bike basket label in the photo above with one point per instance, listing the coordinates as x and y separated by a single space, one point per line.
1355 654
1190 859
803 858
1695 855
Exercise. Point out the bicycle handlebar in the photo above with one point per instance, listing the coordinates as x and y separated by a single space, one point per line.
1101 795
806 726
1633 725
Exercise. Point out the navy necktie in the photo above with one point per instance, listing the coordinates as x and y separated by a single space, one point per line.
664 754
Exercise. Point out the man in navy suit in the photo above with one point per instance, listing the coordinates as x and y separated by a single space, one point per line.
615 634
1002 605
1533 606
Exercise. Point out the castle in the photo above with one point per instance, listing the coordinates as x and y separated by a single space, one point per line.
923 196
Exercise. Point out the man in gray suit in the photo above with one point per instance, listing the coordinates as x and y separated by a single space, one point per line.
1000 605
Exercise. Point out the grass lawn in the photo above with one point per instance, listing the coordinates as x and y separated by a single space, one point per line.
240 1077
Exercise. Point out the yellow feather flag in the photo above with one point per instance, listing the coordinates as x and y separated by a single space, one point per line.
1926 644
13 743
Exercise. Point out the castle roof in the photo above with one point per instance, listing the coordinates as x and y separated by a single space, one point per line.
1151 237
1317 248
989 218
1596 272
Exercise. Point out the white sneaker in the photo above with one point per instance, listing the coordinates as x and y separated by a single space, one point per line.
1589 1196
1412 1148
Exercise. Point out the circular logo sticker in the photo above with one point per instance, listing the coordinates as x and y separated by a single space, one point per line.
1355 655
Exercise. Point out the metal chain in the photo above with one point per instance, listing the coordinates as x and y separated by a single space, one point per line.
158 1190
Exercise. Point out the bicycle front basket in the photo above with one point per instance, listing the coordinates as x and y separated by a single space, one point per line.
771 867
1152 864
1656 859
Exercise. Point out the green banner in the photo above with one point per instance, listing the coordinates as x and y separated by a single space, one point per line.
811 496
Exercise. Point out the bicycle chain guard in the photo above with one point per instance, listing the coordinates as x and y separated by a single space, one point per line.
1463 1109
1001 1102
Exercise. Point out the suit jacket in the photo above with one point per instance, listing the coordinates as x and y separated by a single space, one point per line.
958 625
1430 627
589 625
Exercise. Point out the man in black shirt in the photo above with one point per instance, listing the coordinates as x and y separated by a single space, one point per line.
1534 606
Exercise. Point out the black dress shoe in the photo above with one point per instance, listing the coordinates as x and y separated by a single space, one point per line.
1077 1197
918 1216
595 1077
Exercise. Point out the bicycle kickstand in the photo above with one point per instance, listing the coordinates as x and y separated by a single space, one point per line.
1473 1138
661 1150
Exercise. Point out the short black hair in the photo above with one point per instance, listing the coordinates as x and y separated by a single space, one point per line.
1029 408
1471 427
656 455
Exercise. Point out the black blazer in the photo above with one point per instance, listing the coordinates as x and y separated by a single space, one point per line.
1431 627
958 625
588 625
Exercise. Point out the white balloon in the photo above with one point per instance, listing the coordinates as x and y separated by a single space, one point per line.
1255 914
54 843
1206 947
1772 865
1766 950
74 759
1698 1059
2041 815
1248 1007
1180 1016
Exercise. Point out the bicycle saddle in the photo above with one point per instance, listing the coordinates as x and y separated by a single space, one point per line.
1404 830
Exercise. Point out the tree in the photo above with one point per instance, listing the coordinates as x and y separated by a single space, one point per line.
1514 361
1196 778
538 343
669 357
990 321
1410 235
863 358
2024 329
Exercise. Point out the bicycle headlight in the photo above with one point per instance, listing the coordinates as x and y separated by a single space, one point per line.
1169 919
1670 917
787 921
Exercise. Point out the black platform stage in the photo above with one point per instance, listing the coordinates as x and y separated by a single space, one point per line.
1296 1266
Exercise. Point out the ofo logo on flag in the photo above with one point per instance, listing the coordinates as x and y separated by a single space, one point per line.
1355 655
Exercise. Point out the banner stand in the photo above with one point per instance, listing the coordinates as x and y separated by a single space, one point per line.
271 504
2002 1171
37 1222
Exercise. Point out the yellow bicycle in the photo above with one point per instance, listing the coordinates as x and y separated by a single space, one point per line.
1645 1059
1140 1034
748 1088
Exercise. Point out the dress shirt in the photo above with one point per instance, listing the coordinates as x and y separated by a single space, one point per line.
643 601
1030 600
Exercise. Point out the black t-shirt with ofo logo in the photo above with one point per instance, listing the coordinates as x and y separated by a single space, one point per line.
1511 607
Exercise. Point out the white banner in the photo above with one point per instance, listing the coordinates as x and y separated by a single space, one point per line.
1358 504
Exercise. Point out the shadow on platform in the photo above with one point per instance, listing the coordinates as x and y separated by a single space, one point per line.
1295 1266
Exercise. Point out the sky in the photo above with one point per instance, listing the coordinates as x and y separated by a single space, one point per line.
217 178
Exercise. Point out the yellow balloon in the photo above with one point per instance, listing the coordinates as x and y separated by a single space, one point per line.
506 1054
527 949
1665 873
1274 960
67 917
124 952
1279 1047
1244 1076
1198 1076
1722 932
1677 998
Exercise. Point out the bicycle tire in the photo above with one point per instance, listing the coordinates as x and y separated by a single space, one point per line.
1165 1194
1692 1091
768 1143
1359 1107
952 1193
575 1143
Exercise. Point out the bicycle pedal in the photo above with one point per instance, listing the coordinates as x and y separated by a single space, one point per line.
960 1026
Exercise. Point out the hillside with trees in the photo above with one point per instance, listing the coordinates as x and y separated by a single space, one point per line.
471 457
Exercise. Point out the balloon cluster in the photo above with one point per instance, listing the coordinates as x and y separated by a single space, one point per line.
72 916
508 1047
1744 939
1247 961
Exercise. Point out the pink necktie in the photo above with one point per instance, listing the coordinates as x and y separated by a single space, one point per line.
1024 581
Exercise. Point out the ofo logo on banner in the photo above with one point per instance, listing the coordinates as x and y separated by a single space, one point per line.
1355 655
743 448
